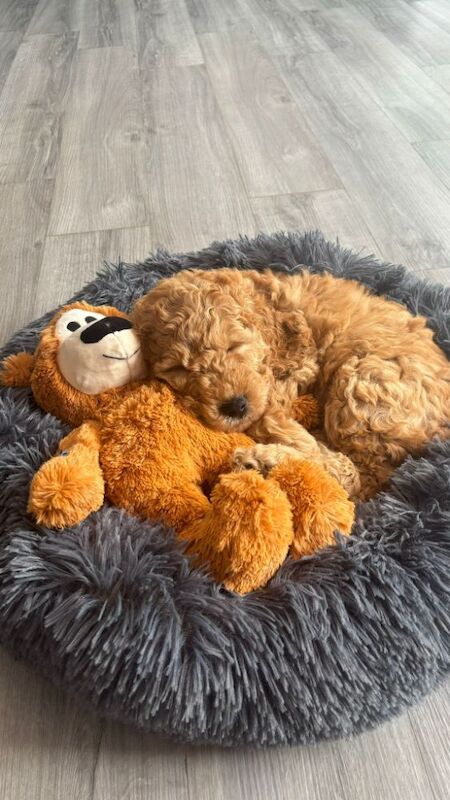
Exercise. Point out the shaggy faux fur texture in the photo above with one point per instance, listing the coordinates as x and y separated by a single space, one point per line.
336 643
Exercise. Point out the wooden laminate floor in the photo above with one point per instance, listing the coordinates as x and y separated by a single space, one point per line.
127 124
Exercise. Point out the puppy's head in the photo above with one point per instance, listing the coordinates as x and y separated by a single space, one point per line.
200 336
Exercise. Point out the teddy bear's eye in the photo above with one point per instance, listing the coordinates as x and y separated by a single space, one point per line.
89 319
73 326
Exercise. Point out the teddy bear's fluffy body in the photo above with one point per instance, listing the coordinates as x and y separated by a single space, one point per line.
139 446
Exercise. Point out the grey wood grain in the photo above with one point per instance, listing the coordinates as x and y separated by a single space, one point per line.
99 23
433 10
195 190
405 207
283 28
418 106
431 720
135 766
330 211
415 34
209 16
31 108
274 147
9 42
24 212
253 774
441 75
101 181
15 15
48 743
371 770
70 261
437 156
165 25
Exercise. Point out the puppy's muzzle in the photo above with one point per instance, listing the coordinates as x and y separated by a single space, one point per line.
236 407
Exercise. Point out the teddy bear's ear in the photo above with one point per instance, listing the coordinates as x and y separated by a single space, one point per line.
16 370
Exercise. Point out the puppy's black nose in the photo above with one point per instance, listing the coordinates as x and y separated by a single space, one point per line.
102 327
235 407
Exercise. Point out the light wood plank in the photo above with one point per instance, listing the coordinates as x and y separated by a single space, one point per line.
440 75
99 23
437 156
417 35
15 14
9 42
253 774
404 206
48 742
431 725
332 212
24 211
434 10
283 28
210 16
195 190
165 26
414 102
32 106
370 768
70 261
274 147
135 766
102 180
363 767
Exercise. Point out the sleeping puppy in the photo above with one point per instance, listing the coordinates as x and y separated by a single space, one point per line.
239 346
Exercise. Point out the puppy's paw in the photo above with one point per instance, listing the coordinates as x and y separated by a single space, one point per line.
262 457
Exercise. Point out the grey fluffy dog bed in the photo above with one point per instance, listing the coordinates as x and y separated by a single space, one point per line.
335 644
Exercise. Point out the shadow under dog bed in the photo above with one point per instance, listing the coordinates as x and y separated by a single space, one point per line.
335 644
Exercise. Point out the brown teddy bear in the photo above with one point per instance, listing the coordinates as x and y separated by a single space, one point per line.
138 446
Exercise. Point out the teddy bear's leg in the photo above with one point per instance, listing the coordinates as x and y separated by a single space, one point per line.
245 535
320 506
70 485
176 502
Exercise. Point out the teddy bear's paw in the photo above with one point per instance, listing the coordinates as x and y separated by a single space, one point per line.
66 489
320 506
261 457
246 534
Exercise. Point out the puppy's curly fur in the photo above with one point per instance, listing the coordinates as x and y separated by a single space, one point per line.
383 384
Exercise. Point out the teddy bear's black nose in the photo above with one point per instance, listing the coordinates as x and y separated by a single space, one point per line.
236 407
102 327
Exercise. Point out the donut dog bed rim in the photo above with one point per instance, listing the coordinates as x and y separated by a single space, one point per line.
335 644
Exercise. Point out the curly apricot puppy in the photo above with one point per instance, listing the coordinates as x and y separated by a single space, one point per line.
239 346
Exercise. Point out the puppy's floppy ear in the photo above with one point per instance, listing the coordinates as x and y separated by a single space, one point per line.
17 369
295 355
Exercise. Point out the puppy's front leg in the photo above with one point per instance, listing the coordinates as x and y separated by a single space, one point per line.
277 436
275 428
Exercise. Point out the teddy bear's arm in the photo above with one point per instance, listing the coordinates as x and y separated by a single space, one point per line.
68 487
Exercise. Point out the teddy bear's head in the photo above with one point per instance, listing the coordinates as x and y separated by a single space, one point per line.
84 352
